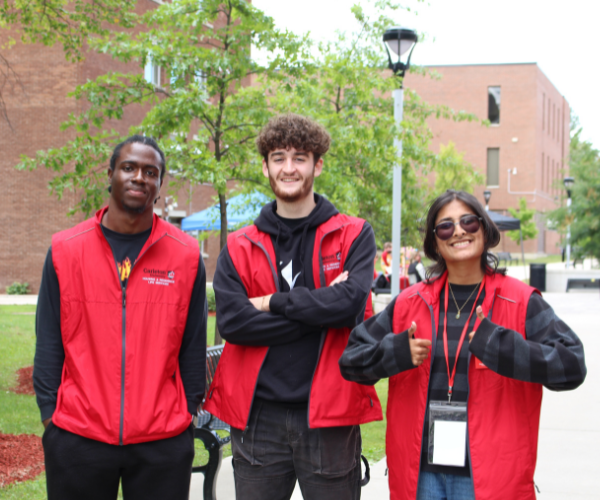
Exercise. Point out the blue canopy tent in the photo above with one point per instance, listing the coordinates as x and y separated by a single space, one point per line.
241 210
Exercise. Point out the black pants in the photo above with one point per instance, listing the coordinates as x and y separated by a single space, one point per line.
79 468
279 448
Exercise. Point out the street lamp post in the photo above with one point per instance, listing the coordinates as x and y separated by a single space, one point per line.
400 42
486 196
568 182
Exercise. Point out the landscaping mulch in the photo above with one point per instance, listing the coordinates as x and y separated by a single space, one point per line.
21 458
25 381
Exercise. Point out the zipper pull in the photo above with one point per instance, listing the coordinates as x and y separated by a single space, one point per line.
244 433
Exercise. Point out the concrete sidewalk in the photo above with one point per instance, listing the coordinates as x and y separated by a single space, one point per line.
569 439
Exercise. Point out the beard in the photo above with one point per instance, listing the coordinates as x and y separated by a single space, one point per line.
302 192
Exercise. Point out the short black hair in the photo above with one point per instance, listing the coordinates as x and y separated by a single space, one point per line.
142 139
491 234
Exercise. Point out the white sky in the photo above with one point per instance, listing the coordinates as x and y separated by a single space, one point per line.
562 37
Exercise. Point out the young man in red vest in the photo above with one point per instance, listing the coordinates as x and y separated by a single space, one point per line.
121 344
288 290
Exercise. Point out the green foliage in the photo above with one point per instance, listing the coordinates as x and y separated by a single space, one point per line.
210 298
17 288
528 226
205 116
68 23
453 172
584 216
346 89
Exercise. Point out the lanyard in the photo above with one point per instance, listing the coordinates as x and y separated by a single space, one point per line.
462 337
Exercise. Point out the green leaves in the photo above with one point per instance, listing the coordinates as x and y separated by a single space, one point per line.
584 215
528 226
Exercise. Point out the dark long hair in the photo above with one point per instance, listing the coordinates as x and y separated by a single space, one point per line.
491 234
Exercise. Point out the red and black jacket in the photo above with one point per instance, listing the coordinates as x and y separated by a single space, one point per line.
332 401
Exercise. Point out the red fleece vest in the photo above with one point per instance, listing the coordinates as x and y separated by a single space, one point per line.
121 382
503 414
333 400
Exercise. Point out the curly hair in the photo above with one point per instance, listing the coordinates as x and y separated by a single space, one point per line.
491 235
293 131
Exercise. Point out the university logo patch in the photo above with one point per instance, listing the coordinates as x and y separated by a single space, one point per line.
160 277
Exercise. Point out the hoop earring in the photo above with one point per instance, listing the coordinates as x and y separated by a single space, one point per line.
156 200
109 189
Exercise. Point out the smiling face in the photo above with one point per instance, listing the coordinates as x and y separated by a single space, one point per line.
462 246
291 174
135 181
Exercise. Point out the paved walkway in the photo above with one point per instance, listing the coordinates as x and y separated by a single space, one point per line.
569 441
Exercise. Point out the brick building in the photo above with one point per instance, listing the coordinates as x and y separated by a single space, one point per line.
524 151
30 213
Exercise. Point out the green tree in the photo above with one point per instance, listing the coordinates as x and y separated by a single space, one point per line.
528 226
348 90
55 21
584 215
205 116
453 172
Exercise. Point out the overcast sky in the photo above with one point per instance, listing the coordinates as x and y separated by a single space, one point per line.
562 37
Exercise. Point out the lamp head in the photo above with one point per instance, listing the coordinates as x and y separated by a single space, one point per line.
568 182
400 42
486 196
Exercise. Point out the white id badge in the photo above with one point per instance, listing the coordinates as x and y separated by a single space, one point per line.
447 433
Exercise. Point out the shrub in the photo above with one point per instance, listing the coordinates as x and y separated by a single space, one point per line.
17 288
210 298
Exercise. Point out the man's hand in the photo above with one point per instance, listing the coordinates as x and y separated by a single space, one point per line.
340 279
481 317
46 422
419 348
261 303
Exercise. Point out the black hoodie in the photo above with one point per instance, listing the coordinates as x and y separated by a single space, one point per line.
299 314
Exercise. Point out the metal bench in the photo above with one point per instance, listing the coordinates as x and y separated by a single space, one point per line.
582 283
206 431
506 257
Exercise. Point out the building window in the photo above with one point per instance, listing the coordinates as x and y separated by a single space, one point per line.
493 167
543 173
494 105
548 115
152 73
544 115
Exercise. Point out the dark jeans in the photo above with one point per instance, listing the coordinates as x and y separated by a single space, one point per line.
279 448
77 467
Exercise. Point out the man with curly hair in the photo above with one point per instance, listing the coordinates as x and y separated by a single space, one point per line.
288 290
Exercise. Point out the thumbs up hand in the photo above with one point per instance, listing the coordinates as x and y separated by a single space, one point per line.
481 317
419 348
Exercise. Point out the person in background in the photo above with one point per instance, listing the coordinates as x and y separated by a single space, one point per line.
386 259
416 270
467 353
119 366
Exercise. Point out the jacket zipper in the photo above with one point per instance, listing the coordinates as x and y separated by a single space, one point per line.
469 394
275 279
433 343
123 331
324 334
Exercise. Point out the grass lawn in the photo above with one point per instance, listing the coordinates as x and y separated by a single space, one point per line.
19 414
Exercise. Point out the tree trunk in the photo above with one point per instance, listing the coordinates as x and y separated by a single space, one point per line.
223 242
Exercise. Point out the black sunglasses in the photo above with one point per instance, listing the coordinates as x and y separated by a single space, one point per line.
445 230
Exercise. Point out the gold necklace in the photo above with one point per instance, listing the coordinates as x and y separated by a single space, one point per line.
466 301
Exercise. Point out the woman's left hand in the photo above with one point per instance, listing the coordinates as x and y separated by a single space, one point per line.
479 312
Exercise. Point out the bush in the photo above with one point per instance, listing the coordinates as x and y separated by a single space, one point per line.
210 298
17 288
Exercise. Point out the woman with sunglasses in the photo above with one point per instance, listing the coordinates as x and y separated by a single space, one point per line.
467 353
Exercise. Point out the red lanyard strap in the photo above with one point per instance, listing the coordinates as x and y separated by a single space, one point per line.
462 336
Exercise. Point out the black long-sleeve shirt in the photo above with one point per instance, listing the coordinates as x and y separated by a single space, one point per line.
299 313
50 355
